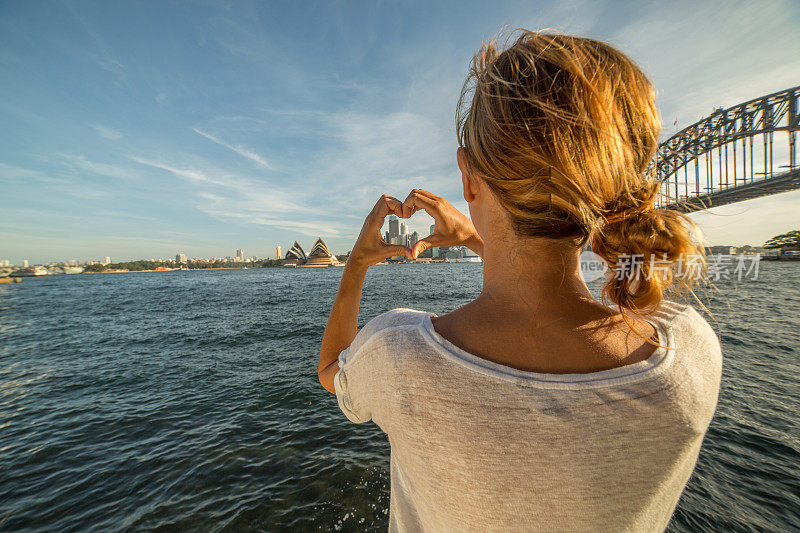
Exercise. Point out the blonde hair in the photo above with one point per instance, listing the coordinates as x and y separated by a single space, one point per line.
562 129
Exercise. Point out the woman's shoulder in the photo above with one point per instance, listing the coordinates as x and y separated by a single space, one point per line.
690 330
673 313
384 324
398 317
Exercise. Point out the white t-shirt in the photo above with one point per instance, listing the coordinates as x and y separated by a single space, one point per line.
479 446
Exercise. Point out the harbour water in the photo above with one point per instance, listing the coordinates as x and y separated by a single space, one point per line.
189 401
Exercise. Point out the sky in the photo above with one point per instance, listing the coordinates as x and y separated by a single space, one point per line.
141 130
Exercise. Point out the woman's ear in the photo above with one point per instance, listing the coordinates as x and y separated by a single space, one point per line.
468 181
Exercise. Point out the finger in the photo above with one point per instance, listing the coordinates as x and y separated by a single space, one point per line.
397 249
423 244
408 205
429 194
385 205
416 201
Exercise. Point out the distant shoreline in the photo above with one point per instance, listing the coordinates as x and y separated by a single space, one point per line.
174 270
424 262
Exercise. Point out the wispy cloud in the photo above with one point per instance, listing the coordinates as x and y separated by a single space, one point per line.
309 228
102 55
65 182
365 155
107 132
124 214
239 149
15 173
229 195
81 164
189 174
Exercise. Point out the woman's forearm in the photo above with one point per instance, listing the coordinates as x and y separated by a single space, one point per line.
342 322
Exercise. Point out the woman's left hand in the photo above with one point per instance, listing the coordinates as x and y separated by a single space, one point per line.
371 248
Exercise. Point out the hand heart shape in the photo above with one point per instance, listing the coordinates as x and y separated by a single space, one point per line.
452 228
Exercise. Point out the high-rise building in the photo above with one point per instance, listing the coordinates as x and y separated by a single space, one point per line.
434 251
403 229
394 234
108 261
180 258
412 239
239 255
24 263
394 227
278 253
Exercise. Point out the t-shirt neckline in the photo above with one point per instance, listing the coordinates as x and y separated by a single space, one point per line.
658 362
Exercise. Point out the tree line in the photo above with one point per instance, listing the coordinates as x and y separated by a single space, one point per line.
791 238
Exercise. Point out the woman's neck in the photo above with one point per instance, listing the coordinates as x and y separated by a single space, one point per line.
536 313
532 273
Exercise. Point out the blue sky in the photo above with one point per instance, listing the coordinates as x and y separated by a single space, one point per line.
139 130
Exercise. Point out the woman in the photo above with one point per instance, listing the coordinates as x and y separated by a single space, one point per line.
536 407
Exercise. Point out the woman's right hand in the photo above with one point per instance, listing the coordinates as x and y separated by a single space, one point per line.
452 228
370 248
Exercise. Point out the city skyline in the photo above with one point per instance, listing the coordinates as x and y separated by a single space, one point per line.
400 237
179 257
136 133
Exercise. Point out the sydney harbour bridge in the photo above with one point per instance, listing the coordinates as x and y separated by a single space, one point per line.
735 154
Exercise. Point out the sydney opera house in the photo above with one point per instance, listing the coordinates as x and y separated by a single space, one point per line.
320 256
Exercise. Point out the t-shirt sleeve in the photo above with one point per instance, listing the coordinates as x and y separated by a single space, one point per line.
351 386
359 378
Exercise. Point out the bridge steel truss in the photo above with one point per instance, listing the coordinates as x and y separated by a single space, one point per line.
719 159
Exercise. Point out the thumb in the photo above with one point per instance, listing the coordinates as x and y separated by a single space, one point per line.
423 244
398 249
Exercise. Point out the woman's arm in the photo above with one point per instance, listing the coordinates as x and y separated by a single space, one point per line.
452 229
342 323
370 248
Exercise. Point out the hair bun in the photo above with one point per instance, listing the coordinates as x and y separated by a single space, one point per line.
648 251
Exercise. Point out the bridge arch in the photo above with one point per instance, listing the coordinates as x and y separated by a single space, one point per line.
715 161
